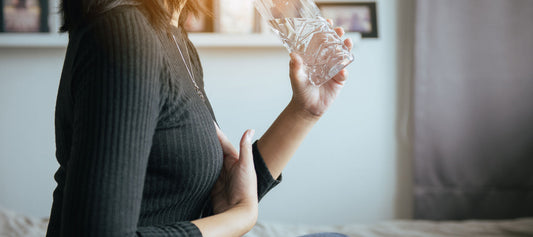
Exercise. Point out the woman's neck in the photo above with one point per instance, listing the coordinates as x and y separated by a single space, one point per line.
175 19
176 16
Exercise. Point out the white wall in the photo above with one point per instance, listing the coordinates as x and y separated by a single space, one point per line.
28 86
350 168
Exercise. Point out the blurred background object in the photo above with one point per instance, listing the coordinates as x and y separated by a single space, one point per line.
473 109
353 16
24 16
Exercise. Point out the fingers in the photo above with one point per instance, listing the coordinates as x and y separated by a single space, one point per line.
341 77
227 147
339 31
245 155
349 43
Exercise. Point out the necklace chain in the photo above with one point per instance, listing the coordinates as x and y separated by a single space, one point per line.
191 75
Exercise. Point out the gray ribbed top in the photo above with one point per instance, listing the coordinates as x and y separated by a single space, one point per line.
137 147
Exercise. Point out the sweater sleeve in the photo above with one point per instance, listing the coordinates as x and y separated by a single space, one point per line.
265 181
116 102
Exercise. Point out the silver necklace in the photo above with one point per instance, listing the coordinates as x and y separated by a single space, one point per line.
191 75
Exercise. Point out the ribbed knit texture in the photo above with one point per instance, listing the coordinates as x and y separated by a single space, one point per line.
137 147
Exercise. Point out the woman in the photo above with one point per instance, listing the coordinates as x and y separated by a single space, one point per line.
138 148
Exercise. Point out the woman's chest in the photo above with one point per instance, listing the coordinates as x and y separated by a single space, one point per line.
187 149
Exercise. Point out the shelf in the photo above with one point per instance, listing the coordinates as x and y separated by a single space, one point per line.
54 40
200 40
33 40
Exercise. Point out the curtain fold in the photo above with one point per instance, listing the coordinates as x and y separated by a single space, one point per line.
473 109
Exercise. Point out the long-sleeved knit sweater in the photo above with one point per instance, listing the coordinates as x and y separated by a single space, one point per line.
136 145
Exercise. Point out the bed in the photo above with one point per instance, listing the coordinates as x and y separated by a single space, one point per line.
411 228
14 224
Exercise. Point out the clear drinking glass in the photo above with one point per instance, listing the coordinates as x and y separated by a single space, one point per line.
303 30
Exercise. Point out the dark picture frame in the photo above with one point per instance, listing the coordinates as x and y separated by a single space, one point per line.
24 16
201 23
352 16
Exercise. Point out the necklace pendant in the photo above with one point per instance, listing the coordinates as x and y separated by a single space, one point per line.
199 92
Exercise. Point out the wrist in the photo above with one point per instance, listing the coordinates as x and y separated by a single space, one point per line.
248 214
299 111
249 210
235 221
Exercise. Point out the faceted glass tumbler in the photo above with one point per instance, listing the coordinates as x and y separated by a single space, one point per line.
303 30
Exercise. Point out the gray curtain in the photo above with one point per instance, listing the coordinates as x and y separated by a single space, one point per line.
473 109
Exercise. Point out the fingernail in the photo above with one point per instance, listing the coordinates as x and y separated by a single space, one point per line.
250 135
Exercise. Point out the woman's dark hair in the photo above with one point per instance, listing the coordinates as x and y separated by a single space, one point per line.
160 12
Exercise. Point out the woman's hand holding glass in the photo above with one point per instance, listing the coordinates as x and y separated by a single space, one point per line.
310 99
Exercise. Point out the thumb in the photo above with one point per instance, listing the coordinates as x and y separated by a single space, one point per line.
245 155
296 61
296 65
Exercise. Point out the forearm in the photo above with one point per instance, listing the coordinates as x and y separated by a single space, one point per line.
280 141
236 221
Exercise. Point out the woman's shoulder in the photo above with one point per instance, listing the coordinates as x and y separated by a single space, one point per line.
125 25
120 41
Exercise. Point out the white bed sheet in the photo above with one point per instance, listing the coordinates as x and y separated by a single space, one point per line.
409 228
13 224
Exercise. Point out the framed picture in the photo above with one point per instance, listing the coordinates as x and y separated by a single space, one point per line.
24 16
235 16
201 23
352 16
